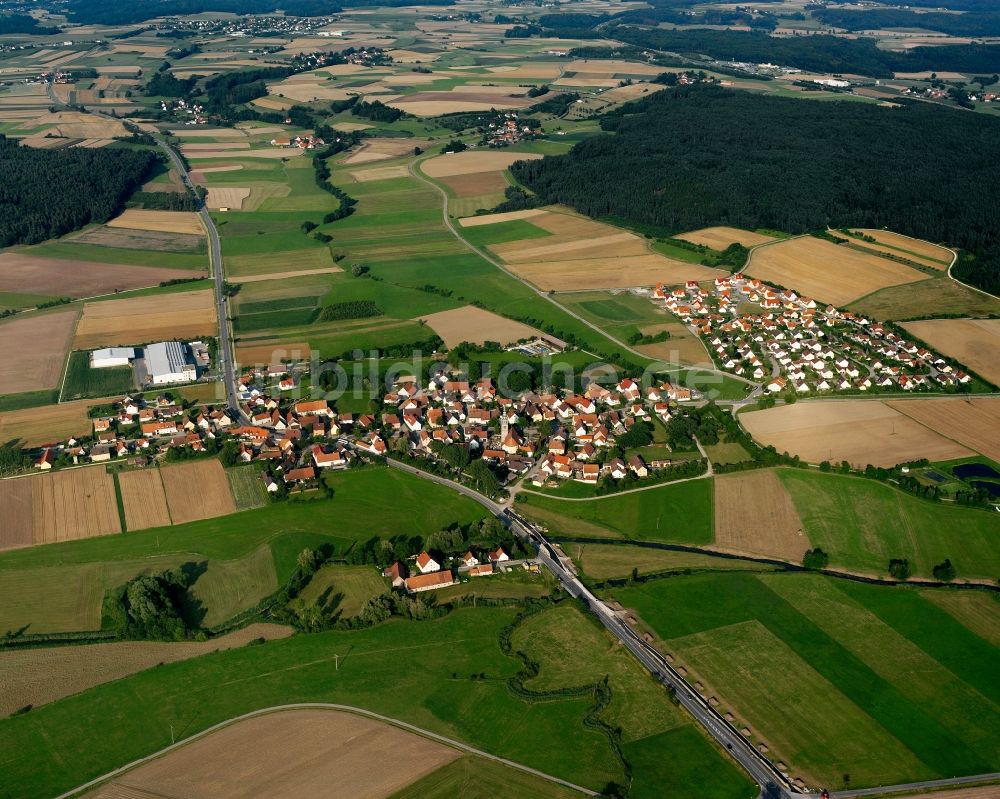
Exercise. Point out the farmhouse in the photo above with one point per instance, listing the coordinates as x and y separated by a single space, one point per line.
428 582
167 362
427 564
111 356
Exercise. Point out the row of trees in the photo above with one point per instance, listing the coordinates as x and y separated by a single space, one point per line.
703 155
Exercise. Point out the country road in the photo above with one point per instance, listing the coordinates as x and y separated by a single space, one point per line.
358 711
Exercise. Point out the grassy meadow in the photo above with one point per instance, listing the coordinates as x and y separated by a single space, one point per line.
836 678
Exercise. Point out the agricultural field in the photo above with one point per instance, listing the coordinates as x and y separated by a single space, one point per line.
82 381
46 424
139 320
885 670
197 490
755 515
186 222
974 343
328 747
373 673
678 514
55 277
862 524
617 561
477 778
972 422
582 254
827 272
38 676
247 487
900 246
719 238
143 499
36 350
476 326
857 431
60 587
926 298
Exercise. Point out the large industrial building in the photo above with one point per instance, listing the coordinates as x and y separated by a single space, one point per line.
112 356
168 362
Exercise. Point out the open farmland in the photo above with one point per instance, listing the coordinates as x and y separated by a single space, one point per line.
383 149
344 589
477 778
231 197
48 423
832 677
476 326
287 754
36 349
16 510
159 221
923 252
857 431
197 490
471 162
583 254
495 219
23 273
611 561
38 676
754 515
973 342
924 299
825 271
143 499
719 238
72 504
139 320
974 422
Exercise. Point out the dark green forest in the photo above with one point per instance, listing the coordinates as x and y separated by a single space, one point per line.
981 23
47 193
24 24
687 158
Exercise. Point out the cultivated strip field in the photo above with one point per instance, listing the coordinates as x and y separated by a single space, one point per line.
160 221
143 499
16 529
473 161
48 423
197 490
72 504
493 219
827 272
754 515
139 320
383 150
858 431
274 352
973 342
231 197
476 326
38 676
35 350
290 754
66 278
903 246
974 422
718 238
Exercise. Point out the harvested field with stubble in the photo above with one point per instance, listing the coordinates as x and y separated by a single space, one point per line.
48 423
379 173
273 352
66 278
973 342
35 350
974 422
476 326
493 219
231 197
129 239
827 272
197 490
15 514
472 161
73 504
38 676
159 221
376 149
754 515
476 184
926 253
718 238
136 320
288 754
143 498
858 431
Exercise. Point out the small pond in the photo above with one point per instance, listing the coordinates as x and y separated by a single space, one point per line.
967 470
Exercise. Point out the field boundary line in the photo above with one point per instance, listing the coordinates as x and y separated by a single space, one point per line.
619 493
433 736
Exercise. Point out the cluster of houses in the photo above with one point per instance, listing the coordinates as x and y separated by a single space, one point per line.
505 129
195 111
785 341
303 142
427 574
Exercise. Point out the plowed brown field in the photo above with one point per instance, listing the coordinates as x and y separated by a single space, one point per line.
35 351
144 500
15 513
754 515
138 320
197 490
20 272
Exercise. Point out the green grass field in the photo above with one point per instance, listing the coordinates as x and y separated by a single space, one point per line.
82 381
502 232
835 677
228 587
344 589
610 561
512 585
477 778
247 487
727 452
447 675
679 514
58 587
77 251
862 524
